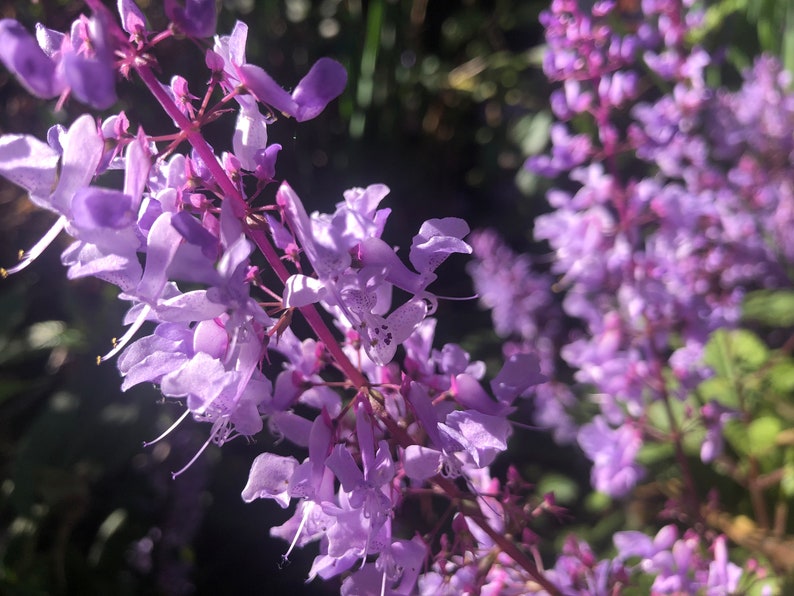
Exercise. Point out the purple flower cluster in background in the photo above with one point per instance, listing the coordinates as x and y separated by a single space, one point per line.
650 263
668 215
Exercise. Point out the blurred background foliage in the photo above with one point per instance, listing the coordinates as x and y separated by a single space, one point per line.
444 103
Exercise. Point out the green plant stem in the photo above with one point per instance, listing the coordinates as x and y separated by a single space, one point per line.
757 495
686 471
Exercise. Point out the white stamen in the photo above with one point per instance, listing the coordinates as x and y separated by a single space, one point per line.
193 459
38 248
133 329
306 511
168 431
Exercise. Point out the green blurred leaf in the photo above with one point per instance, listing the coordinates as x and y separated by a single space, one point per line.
774 308
596 502
10 388
652 453
52 334
720 390
787 482
762 434
693 440
781 376
735 433
13 306
731 353
565 490
531 132
659 415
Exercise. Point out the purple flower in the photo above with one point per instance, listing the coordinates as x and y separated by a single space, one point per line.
269 478
519 373
300 381
197 18
679 564
724 576
88 61
132 19
715 415
33 68
33 165
612 452
324 82
397 568
250 136
368 490
465 437
30 164
568 151
360 291
631 544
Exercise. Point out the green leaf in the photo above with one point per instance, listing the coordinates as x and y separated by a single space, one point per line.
762 434
52 334
720 390
596 502
774 308
693 441
532 132
564 488
781 376
731 353
787 481
652 453
659 416
735 433
13 305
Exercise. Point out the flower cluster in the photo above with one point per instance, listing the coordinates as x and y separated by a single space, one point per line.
665 219
679 565
650 264
180 241
675 200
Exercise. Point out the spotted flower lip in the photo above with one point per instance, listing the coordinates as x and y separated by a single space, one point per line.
361 287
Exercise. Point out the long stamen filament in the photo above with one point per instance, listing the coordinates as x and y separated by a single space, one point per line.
306 511
133 329
168 430
193 459
31 255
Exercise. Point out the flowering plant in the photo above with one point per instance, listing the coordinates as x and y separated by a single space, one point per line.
669 219
257 317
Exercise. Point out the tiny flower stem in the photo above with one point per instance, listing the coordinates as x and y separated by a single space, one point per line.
511 549
686 471
781 518
473 510
163 35
757 495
